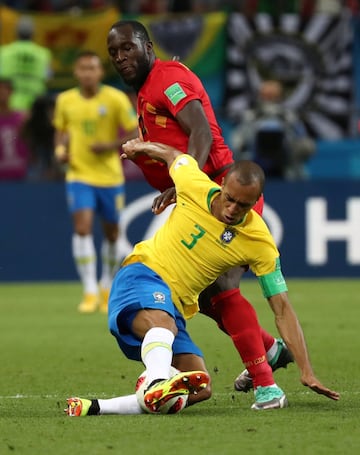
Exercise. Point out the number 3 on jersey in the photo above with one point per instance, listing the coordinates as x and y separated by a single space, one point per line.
195 237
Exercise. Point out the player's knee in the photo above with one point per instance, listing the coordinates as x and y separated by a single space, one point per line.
229 280
203 395
82 230
149 319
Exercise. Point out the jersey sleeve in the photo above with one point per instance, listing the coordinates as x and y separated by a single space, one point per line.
264 255
273 283
59 120
190 182
179 87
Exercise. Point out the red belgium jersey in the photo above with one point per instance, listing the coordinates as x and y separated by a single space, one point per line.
168 88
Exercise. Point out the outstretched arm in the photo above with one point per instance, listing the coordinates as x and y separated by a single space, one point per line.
194 123
290 330
99 147
155 150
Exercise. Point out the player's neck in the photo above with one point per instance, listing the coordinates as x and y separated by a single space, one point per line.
89 92
215 207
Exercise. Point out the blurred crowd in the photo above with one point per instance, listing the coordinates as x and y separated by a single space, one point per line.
26 105
26 131
306 7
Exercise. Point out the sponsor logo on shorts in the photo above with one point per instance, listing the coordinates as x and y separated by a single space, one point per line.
159 297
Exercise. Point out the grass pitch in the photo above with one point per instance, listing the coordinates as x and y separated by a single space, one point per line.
50 352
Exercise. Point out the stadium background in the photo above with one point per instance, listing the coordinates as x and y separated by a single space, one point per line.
315 222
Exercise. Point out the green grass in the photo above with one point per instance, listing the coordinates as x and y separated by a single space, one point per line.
49 352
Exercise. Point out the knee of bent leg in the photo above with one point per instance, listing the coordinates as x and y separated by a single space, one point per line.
230 279
205 394
148 319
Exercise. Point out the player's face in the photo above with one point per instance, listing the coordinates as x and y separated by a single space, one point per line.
88 71
130 56
236 200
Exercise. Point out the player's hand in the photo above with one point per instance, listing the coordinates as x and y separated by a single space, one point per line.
100 147
319 388
165 199
62 154
129 149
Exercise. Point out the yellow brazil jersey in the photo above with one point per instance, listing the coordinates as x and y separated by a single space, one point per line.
193 248
94 120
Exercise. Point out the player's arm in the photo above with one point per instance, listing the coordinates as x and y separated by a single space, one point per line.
291 332
155 150
61 142
194 123
99 147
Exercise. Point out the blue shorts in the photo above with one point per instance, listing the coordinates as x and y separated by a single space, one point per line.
106 201
134 288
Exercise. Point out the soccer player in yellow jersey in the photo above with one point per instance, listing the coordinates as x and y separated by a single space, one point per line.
92 121
211 229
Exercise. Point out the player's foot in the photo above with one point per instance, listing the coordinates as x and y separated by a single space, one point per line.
271 397
182 383
81 407
104 300
282 357
89 303
243 383
77 407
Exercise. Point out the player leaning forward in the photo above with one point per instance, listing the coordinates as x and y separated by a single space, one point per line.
211 229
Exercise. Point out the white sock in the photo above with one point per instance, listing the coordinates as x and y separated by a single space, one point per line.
156 353
120 405
109 257
271 353
84 255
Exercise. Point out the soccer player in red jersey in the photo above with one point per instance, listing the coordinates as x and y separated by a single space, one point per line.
173 107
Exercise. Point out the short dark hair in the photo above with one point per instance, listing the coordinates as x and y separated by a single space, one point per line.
247 172
25 28
138 28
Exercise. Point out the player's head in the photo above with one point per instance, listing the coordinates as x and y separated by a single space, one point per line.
88 69
25 28
240 190
131 52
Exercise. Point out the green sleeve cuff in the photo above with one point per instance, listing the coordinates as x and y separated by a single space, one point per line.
273 283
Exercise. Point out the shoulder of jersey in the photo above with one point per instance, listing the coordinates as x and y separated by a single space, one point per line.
69 92
112 90
167 64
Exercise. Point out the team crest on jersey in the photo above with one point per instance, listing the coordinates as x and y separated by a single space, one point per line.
159 297
102 110
227 235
